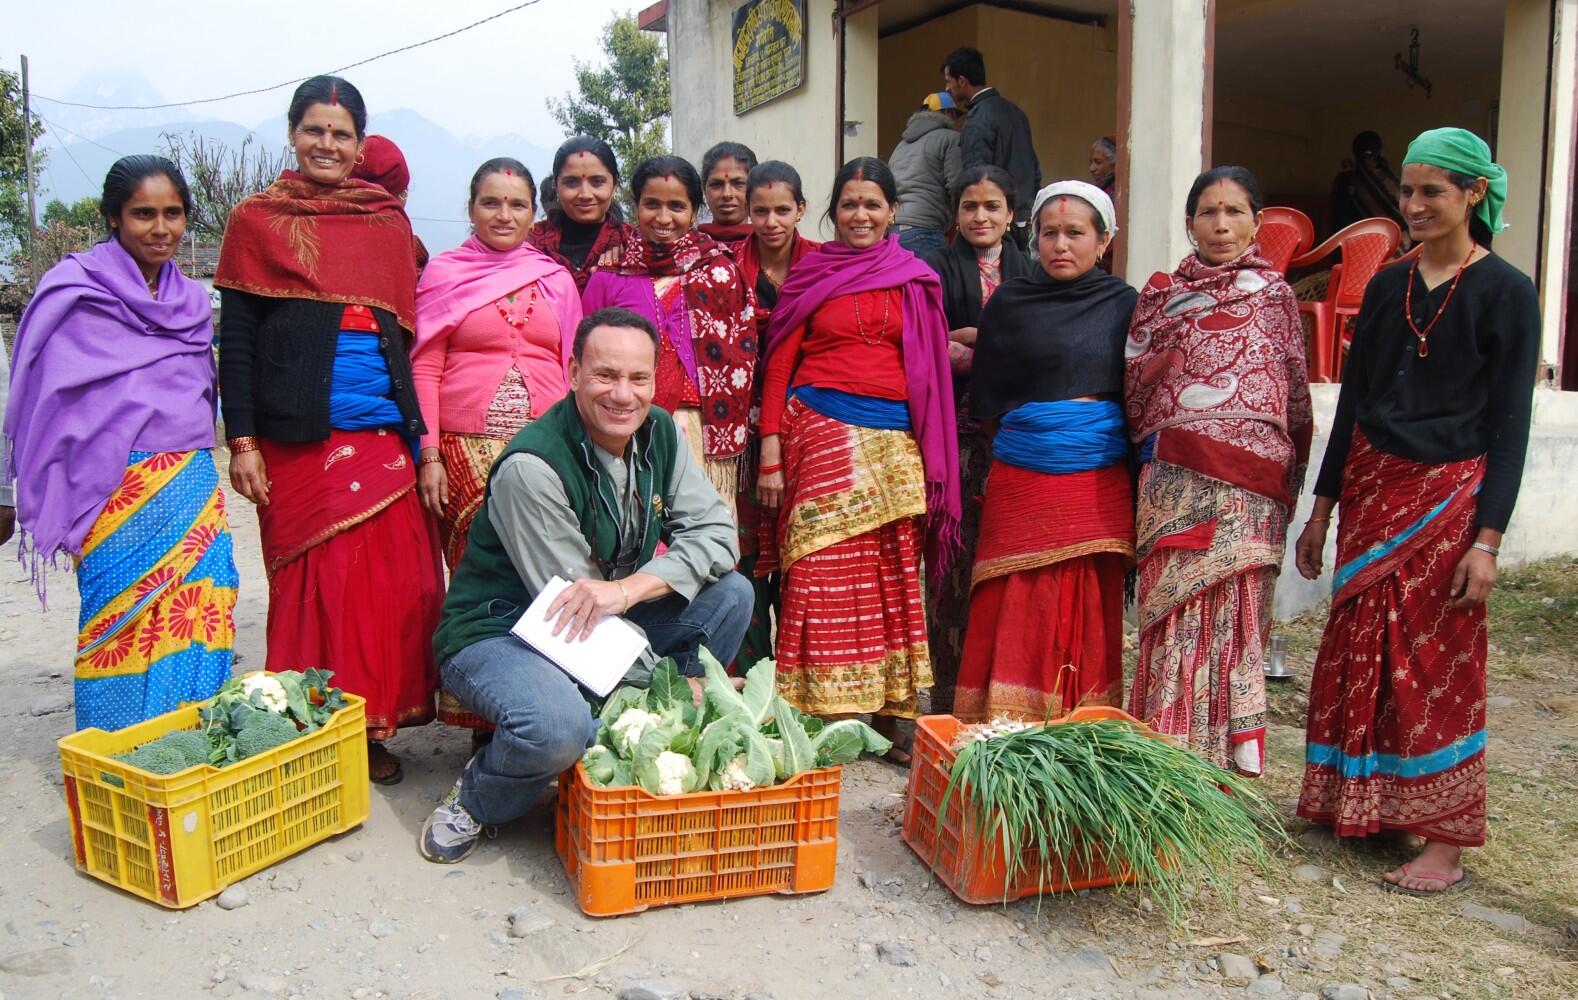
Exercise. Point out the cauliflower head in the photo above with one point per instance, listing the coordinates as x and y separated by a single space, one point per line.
674 771
734 778
628 729
274 697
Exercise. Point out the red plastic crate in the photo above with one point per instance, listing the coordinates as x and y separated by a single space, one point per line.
625 849
976 871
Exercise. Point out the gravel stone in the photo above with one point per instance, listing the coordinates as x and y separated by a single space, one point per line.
233 898
1513 923
263 982
1237 966
528 920
381 927
1328 944
1312 873
1344 991
650 991
895 953
1265 986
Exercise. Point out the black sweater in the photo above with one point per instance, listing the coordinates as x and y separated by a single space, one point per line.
276 363
1472 395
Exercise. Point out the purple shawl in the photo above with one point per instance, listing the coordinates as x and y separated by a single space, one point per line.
637 293
838 269
101 370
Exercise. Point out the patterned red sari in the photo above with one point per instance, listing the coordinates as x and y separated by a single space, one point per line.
1396 731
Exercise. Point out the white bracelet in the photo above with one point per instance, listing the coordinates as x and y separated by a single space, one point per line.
1487 547
623 593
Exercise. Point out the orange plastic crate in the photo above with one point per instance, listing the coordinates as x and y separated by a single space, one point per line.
975 871
625 849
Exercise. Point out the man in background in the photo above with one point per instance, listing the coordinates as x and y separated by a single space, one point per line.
995 132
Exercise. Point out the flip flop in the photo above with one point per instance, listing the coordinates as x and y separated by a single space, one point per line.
1462 883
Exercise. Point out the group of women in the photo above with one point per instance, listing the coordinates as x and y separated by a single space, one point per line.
1026 431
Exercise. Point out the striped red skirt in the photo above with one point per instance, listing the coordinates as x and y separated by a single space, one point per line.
852 628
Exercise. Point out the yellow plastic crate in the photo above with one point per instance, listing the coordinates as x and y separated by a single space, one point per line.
178 839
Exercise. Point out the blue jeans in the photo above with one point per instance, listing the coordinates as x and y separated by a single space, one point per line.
543 721
920 241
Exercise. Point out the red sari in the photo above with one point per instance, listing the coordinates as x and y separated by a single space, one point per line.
355 582
1045 630
1396 732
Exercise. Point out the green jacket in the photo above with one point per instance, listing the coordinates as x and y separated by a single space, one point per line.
486 594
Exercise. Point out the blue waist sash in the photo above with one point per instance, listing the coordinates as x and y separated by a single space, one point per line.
1070 435
359 395
861 411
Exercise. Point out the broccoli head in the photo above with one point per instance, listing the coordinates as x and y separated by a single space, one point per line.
155 758
264 732
191 744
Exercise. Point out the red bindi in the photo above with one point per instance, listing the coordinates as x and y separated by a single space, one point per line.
508 172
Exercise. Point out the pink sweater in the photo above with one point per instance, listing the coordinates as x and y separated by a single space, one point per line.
458 375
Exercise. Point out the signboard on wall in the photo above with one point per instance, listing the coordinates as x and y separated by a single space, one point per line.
769 51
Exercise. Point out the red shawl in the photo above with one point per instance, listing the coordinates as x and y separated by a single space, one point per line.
1216 363
547 236
721 311
350 243
749 260
727 232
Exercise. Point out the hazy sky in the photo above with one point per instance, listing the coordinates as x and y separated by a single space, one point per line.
490 80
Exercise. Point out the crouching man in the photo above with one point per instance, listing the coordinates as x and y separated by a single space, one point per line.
585 492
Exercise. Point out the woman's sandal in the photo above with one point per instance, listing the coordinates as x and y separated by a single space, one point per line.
383 767
1449 886
903 738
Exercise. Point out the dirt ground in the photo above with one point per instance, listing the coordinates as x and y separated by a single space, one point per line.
363 916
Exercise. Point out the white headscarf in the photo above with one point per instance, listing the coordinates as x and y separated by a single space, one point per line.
1092 195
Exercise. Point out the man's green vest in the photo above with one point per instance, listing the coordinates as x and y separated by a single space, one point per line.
486 595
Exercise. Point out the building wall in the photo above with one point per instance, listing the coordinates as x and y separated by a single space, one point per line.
798 127
1064 75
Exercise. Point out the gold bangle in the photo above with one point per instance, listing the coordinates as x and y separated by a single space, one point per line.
242 445
623 593
1315 519
431 459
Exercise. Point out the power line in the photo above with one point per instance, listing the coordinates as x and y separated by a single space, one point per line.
73 159
287 83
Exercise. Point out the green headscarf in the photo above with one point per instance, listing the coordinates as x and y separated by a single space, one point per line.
1460 150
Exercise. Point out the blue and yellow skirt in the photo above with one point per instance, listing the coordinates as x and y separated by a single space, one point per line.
158 584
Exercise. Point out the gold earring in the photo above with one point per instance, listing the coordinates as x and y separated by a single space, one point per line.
361 158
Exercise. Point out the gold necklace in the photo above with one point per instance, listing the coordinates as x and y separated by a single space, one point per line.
860 326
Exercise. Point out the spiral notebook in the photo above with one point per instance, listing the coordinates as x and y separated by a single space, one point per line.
597 663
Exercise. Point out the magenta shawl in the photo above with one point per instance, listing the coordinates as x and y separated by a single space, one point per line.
838 269
102 369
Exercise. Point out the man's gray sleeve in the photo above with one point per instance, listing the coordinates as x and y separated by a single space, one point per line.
531 513
704 542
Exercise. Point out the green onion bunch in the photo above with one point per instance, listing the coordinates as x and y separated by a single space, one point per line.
1106 792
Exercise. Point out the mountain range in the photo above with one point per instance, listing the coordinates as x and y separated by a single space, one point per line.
441 163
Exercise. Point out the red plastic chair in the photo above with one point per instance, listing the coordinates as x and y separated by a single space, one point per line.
1366 247
1284 234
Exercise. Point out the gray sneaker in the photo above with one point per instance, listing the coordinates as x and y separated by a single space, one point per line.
450 833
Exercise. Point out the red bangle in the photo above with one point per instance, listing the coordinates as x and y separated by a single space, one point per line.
768 470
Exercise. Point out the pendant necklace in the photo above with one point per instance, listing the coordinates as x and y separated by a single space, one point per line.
860 326
1408 300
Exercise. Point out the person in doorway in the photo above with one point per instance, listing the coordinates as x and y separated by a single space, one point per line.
585 493
318 295
1103 166
583 228
1218 402
724 169
686 283
494 320
1057 532
972 268
1424 465
859 456
777 205
995 132
926 165
109 431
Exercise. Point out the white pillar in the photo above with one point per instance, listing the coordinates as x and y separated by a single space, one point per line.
1520 148
1552 280
1165 130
